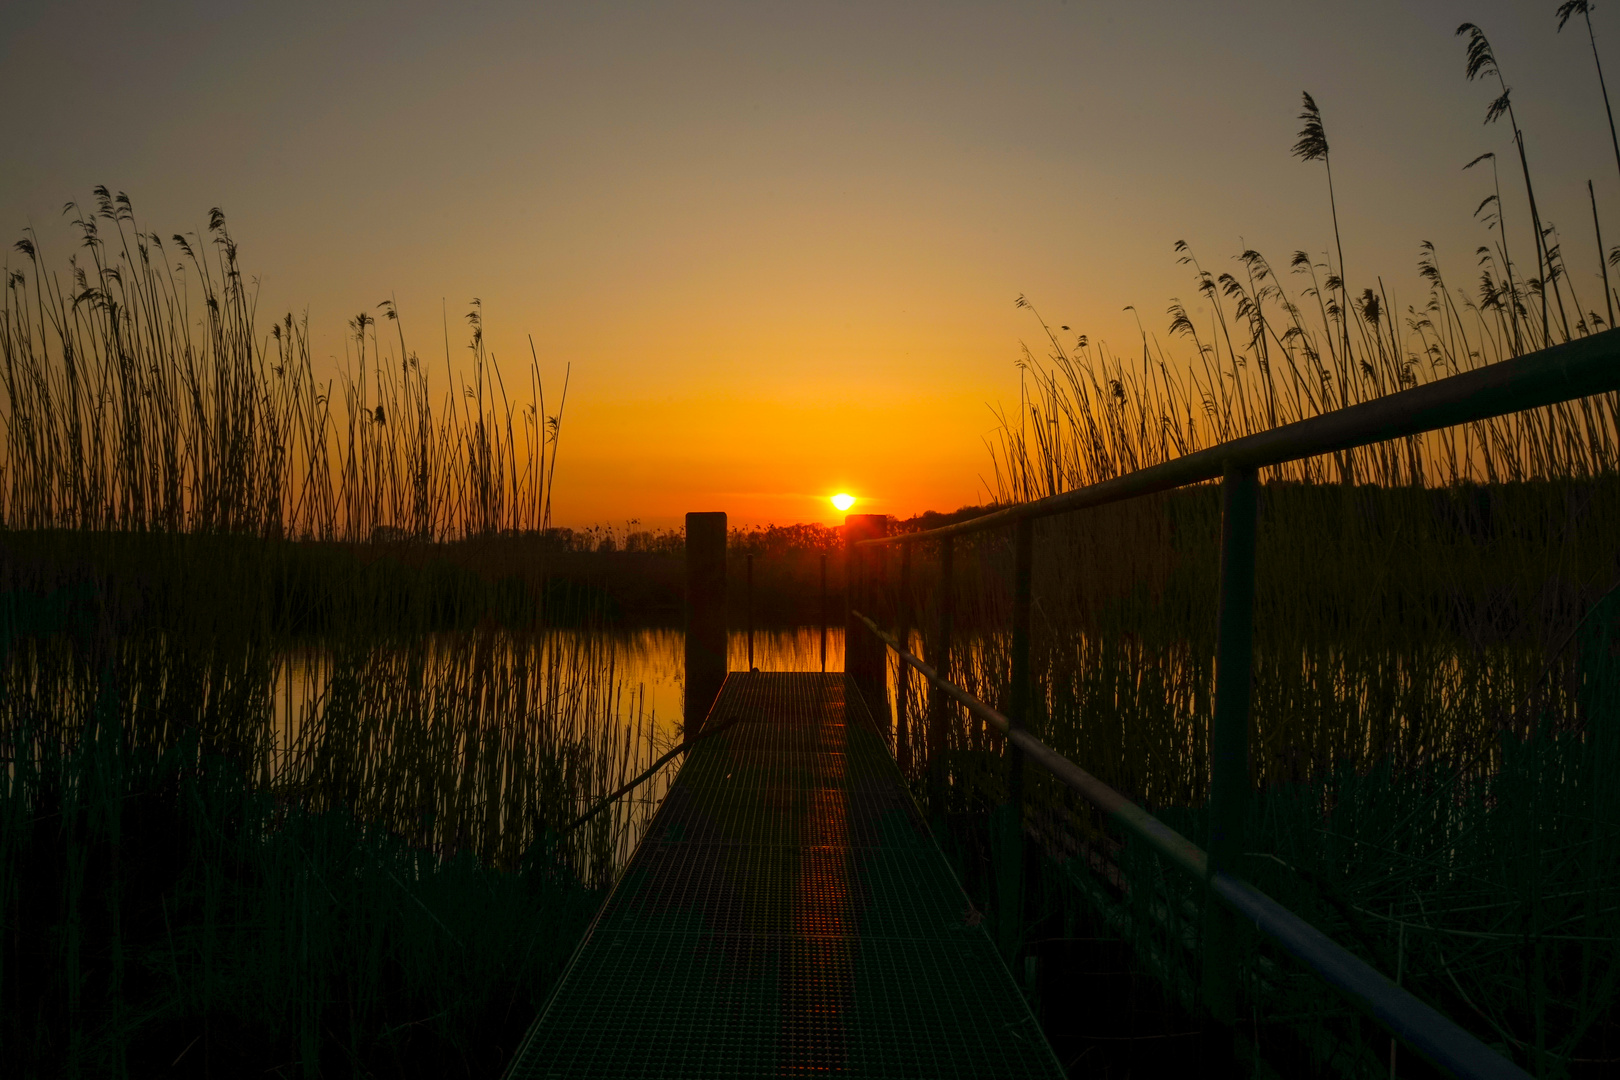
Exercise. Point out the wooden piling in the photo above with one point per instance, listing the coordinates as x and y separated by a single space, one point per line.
864 656
824 612
705 614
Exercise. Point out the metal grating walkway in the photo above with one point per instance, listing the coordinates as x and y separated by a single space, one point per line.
787 914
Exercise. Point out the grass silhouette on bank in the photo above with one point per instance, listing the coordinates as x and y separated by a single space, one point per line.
284 773
1436 677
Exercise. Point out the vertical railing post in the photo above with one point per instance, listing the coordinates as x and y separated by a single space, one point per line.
705 615
863 653
823 612
941 660
749 563
902 674
1229 731
1011 871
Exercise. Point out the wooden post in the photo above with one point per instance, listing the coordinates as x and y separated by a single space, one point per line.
863 653
1010 872
941 660
749 563
705 615
1229 734
823 612
902 675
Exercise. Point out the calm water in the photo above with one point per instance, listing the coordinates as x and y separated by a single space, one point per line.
653 662
647 672
623 691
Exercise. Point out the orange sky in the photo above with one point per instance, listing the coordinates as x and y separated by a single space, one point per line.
780 244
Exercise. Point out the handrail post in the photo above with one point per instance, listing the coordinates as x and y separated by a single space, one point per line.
936 697
749 560
1229 731
824 613
1011 872
706 657
902 675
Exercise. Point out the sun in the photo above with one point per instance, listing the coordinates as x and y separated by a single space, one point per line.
843 501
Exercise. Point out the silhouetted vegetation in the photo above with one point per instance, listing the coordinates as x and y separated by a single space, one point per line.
300 680
1436 674
291 715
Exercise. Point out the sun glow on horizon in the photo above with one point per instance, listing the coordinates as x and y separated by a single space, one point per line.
843 501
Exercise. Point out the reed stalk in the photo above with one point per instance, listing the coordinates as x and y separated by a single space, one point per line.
138 393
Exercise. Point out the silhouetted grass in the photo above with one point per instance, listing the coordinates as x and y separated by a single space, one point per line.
141 392
321 852
1436 674
290 720
1433 742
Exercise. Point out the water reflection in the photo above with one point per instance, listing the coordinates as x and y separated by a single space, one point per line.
646 670
652 664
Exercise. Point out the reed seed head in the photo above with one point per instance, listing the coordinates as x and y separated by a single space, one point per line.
1312 142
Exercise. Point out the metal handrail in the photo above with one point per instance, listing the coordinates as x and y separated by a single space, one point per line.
1552 376
1419 1025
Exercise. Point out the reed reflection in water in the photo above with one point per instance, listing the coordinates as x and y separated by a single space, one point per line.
647 666
600 706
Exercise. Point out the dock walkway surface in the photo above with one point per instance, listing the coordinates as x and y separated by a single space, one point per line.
787 913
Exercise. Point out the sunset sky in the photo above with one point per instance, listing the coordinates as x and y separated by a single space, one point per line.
780 244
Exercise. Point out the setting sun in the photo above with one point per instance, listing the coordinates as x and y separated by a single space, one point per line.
843 501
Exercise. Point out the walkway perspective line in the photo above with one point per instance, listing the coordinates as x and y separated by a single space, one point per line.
787 913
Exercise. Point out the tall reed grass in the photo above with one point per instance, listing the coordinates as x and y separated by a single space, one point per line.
1269 357
1436 674
333 853
142 392
1268 352
1435 693
286 788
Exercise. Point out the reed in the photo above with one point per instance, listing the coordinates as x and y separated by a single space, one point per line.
292 721
1567 11
337 851
141 393
1432 748
1435 675
1088 413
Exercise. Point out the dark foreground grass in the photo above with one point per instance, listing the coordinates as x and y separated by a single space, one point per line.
299 687
1437 685
201 929
1436 711
229 848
